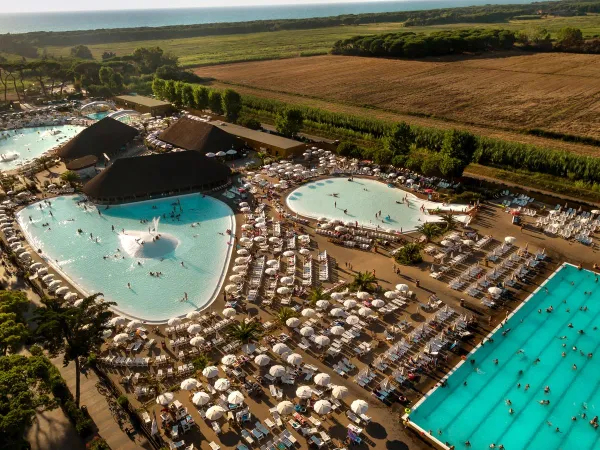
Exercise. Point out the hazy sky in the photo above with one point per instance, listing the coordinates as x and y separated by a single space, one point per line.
80 5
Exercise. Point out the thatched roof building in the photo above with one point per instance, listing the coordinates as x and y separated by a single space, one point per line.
161 175
107 136
203 137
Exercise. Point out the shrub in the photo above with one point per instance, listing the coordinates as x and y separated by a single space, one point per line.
123 400
409 254
466 197
97 444
92 359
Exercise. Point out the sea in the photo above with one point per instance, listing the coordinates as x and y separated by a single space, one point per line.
91 20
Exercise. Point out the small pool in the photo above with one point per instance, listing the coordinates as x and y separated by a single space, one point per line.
18 147
478 412
362 199
102 260
98 115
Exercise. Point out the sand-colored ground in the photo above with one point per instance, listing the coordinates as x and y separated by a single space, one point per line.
510 91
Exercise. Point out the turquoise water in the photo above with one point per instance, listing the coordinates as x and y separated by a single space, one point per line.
477 412
203 251
30 143
98 115
362 198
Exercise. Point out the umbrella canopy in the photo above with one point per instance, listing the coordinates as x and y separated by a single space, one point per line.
322 379
495 290
348 304
271 271
304 251
359 407
337 330
402 287
210 155
292 322
352 320
194 329
214 412
193 315
378 303
274 239
366 312
308 312
235 279
390 295
231 288
78 302
121 337
119 320
286 280
262 360
510 239
222 384
241 260
200 398
174 321
239 269
197 341
337 296
289 253
277 371
304 392
229 312
284 408
294 359
189 384
106 334
322 304
246 226
235 398
339 392
468 242
322 340
221 153
165 398
280 348
363 295
228 360
322 407
307 331
272 262
337 312
210 371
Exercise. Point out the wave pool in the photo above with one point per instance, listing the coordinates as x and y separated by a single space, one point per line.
191 253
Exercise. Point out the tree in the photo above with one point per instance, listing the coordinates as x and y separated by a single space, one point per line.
349 149
232 104
170 93
570 37
158 88
200 97
215 102
70 177
284 314
187 95
289 121
105 73
449 222
315 295
81 52
15 302
108 55
250 122
13 329
245 332
201 361
429 230
400 139
409 254
364 281
75 331
116 82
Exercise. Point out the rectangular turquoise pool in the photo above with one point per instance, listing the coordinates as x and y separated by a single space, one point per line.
473 406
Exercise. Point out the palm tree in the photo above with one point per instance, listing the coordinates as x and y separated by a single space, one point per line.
70 177
429 230
409 254
315 295
262 156
364 281
245 332
284 314
201 361
449 222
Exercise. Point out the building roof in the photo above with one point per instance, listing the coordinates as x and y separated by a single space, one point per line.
82 163
257 136
193 134
105 136
141 100
143 176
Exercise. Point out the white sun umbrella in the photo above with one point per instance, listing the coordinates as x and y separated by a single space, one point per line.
214 412
262 360
322 304
307 331
222 384
339 392
210 371
322 340
322 407
245 209
165 398
197 341
352 320
289 253
304 251
210 155
189 384
247 226
235 398
495 290
200 398
107 333
378 303
274 240
259 239
221 153
239 269
359 406
194 328
193 315
390 294
245 240
337 296
248 348
121 337
62 290
119 320
229 312
510 239
35 266
174 321
241 260
366 312
304 392
231 288
78 302
235 279
70 296
402 287
280 348
287 280
244 204
348 304
294 359
277 371
285 408
271 271
322 379
446 243
228 360
337 330
308 312
283 290
363 295
272 262
292 322
468 242
337 312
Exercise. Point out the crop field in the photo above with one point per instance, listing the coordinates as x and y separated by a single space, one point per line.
512 91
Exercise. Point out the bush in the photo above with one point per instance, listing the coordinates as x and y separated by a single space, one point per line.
123 400
92 359
466 197
83 424
97 444
36 350
250 122
409 254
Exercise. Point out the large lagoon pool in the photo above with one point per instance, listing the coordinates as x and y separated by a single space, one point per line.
98 259
362 199
18 147
473 406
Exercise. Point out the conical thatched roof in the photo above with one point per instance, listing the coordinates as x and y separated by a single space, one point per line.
192 134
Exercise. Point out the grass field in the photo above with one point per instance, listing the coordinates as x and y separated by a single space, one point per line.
507 91
287 44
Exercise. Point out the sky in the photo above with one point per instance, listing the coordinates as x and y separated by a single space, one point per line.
92 5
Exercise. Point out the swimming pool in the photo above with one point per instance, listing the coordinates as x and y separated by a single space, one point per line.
195 240
99 115
362 198
478 412
20 146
